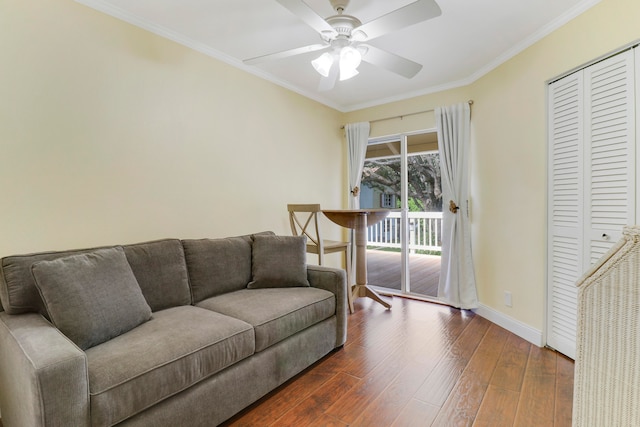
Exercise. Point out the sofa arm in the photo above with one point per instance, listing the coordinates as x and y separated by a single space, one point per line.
333 280
43 375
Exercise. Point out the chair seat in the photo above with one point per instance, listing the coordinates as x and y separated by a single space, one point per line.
306 224
330 246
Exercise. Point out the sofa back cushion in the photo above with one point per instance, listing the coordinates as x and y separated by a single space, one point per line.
217 266
17 286
278 262
91 297
19 294
161 271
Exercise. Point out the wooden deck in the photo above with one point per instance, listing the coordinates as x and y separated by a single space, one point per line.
383 270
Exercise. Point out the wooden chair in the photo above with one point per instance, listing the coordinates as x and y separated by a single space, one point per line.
304 222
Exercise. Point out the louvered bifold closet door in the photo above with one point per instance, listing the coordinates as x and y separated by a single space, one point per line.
565 252
609 153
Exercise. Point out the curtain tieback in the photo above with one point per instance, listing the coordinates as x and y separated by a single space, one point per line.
453 207
355 191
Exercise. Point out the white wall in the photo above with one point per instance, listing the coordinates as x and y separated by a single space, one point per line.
110 134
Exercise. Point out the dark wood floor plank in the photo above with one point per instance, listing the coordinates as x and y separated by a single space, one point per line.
326 421
389 404
484 361
419 358
537 398
356 400
462 405
340 360
435 390
509 372
416 413
564 392
537 401
541 361
465 399
313 407
470 338
498 408
443 378
278 403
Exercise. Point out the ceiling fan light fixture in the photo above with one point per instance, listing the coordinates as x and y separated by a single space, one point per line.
350 59
347 72
323 63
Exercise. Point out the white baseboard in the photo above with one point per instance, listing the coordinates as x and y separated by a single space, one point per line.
524 331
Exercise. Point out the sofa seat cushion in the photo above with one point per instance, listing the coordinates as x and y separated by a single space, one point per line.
177 348
275 313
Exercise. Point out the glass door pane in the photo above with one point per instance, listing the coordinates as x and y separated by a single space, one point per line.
381 188
424 214
404 174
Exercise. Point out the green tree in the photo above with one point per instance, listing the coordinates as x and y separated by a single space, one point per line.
425 191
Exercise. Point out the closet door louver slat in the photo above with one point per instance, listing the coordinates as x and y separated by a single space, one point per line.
566 208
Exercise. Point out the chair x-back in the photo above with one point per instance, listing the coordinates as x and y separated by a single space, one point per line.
304 222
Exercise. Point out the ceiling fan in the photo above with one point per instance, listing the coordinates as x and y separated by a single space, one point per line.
344 37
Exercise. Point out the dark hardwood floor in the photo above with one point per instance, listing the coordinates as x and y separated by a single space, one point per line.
423 364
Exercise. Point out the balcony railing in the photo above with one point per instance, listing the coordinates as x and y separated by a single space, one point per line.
425 230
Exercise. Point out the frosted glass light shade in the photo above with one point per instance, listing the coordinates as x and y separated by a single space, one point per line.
323 64
347 72
350 59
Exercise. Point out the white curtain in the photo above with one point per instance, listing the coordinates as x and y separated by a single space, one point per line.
457 285
357 140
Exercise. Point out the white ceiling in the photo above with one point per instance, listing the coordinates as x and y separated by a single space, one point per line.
469 39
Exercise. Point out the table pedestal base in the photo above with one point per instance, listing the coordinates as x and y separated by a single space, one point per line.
366 291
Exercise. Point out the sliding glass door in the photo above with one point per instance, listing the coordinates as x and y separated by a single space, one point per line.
403 173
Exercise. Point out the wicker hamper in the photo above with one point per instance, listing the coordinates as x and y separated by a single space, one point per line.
607 366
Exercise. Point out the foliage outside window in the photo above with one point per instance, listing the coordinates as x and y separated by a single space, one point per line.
425 191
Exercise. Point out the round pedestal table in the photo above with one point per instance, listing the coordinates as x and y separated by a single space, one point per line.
359 220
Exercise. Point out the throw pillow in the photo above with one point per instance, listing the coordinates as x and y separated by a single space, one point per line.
91 297
278 262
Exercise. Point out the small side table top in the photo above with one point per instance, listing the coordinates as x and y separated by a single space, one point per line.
348 217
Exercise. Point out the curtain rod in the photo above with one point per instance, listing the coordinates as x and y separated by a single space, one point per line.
470 102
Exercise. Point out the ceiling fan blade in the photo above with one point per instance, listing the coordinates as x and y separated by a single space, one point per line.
307 15
327 83
418 11
285 54
391 62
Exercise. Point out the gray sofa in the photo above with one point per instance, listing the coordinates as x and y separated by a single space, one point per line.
169 332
